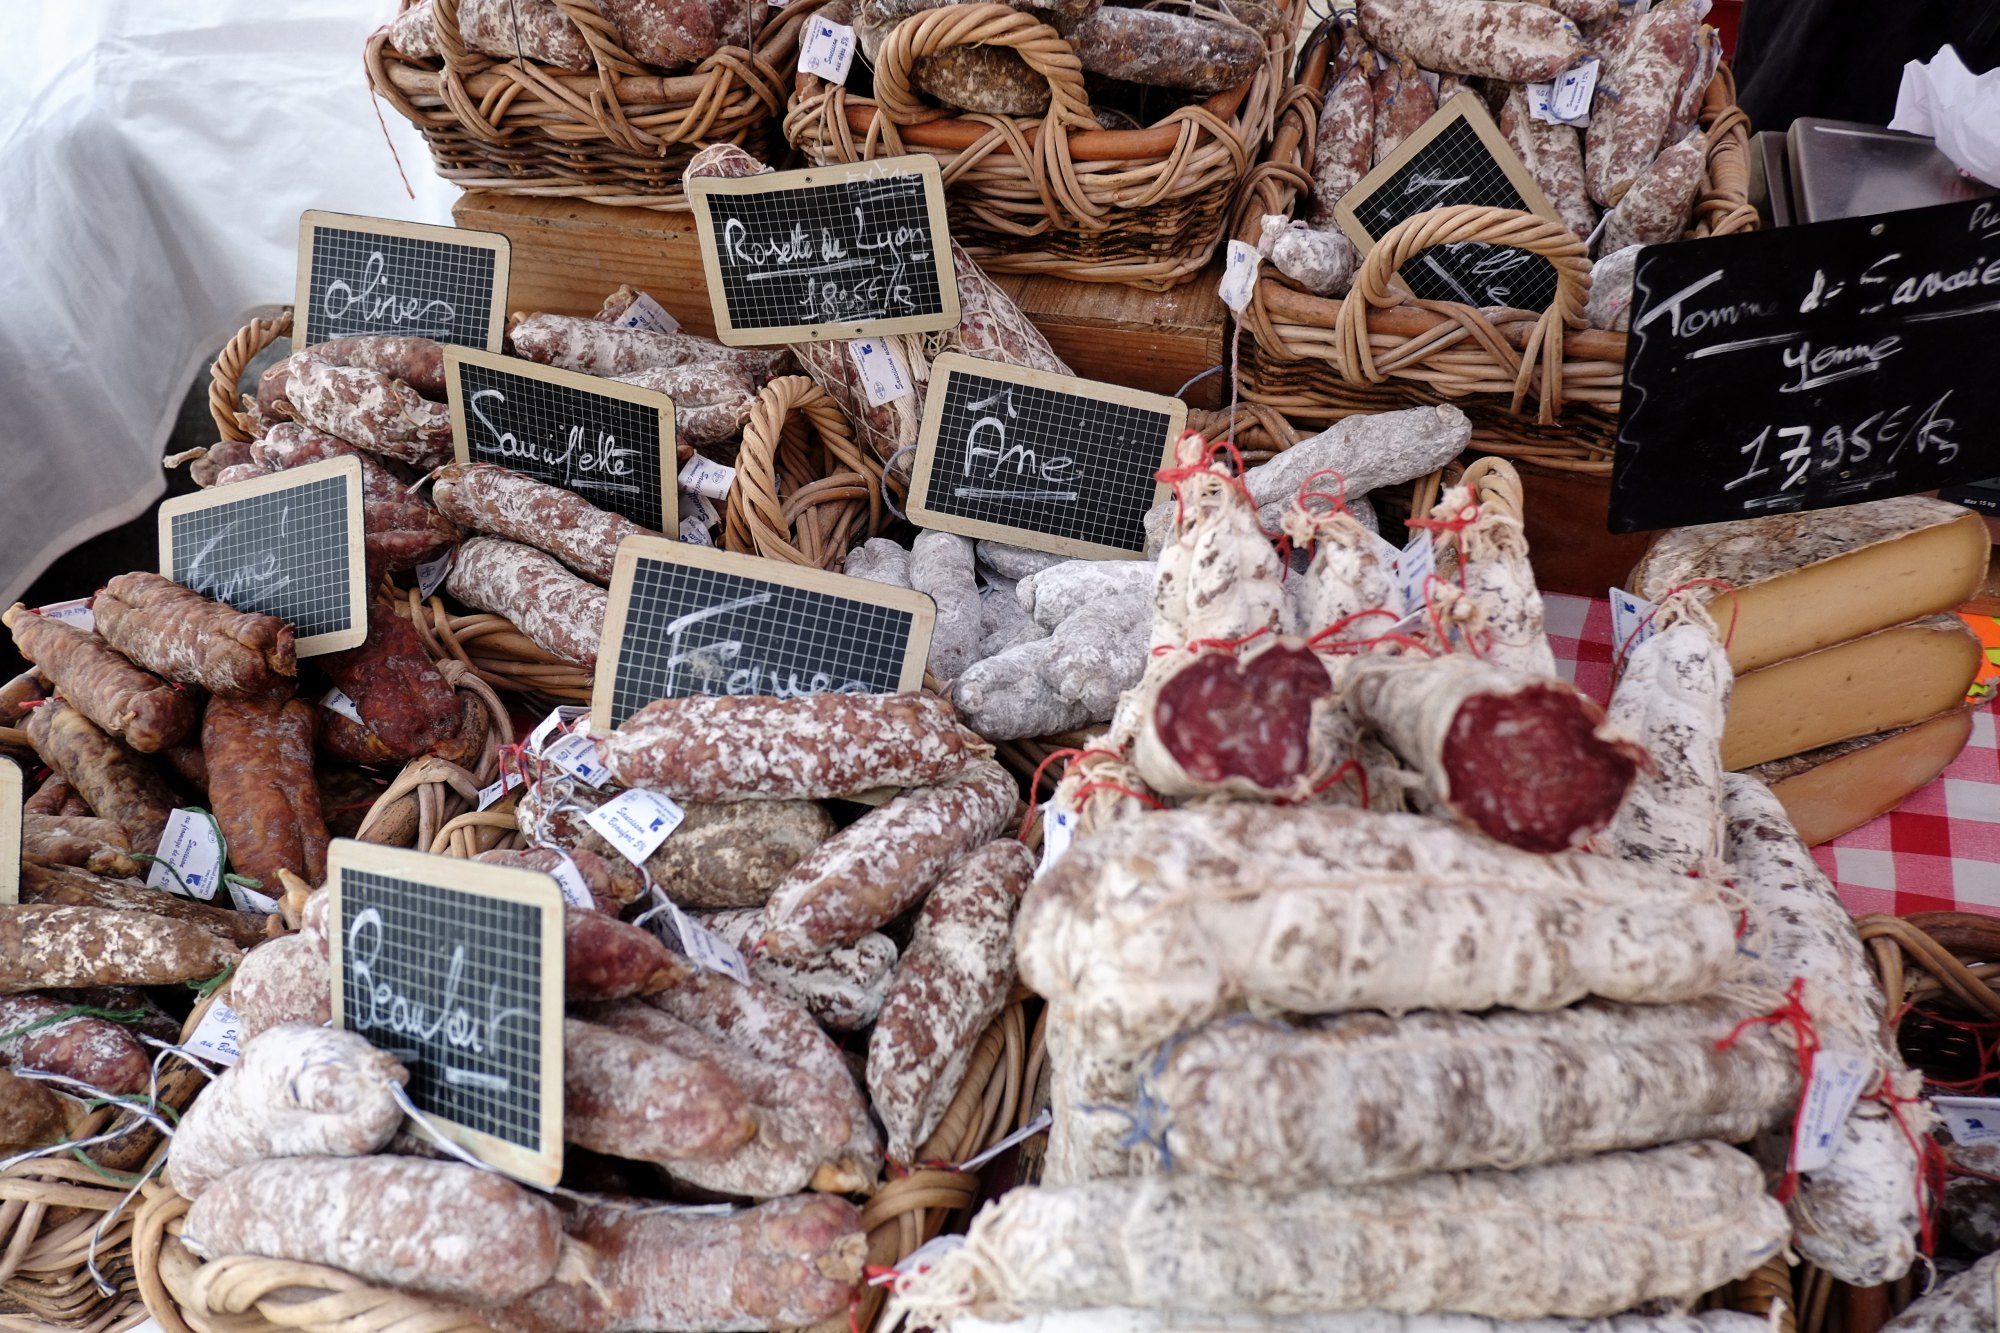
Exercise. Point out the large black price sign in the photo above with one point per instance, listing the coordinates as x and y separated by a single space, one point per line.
1813 366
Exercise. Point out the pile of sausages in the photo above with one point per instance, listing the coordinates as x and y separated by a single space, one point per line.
665 34
1627 176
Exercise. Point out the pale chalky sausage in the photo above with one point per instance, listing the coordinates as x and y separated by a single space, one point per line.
557 610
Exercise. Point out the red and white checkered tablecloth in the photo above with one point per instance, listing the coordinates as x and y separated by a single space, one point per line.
1938 851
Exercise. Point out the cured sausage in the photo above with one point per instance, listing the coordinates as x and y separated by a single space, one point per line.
43 947
1403 102
1634 102
1553 155
591 347
184 636
712 399
418 362
260 758
286 980
1250 723
842 989
96 845
401 530
1656 208
137 707
406 708
1516 43
41 1032
116 783
1166 50
66 886
484 498
535 30
557 610
639 1100
369 410
1344 146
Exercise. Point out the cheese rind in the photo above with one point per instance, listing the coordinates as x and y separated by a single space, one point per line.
1892 678
1837 788
1806 581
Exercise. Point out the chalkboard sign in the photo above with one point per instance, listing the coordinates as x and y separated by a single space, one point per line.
374 275
611 443
835 252
10 831
1818 365
1458 156
687 619
288 545
456 969
1038 460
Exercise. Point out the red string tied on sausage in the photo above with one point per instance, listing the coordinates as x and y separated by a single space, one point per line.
1174 476
1805 1039
1105 784
1735 609
1931 1164
1338 499
1465 518
1212 645
1346 766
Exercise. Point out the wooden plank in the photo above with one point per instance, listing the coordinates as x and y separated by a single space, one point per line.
569 255
1570 544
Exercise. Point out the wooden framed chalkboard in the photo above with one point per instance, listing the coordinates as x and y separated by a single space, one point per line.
10 831
1458 156
611 443
1044 461
377 275
836 252
456 969
287 545
686 619
1817 365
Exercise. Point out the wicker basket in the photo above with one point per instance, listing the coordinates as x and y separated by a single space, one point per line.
246 1294
618 133
805 491
1539 387
1056 194
51 1208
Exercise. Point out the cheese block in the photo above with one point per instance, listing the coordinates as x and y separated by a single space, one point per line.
1842 786
1805 581
1894 677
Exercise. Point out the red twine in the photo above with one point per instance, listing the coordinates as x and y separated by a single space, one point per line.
1806 1040
1930 1162
1625 648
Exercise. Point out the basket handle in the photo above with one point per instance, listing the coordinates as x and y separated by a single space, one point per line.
1047 52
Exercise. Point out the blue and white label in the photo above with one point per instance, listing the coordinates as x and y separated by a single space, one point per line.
1836 1083
219 1035
1970 1119
1415 566
1632 622
575 753
882 375
636 822
75 612
828 50
1239 276
188 860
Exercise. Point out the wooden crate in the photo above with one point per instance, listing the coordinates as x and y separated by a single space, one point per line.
567 255
1570 543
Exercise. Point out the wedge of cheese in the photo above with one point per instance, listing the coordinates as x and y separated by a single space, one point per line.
1894 677
1842 786
1806 581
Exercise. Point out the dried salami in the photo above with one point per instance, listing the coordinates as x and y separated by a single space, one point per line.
260 758
116 783
1516 43
1166 50
185 637
369 410
561 613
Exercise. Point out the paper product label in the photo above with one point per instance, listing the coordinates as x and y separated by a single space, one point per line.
828 50
636 822
1837 1080
1239 276
882 376
341 704
1415 565
219 1035
506 782
557 721
1632 622
575 753
430 574
570 880
1970 1119
75 612
646 313
695 532
189 857
1021 1135
919 1260
706 477
1566 99
703 947
250 900
1057 831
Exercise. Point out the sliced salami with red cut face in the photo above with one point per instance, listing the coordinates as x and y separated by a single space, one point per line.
1531 769
1252 723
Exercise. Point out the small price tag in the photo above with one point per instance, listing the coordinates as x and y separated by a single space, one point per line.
341 704
249 900
1021 1135
708 478
1414 567
500 786
1970 1119
828 50
191 850
704 948
431 573
76 612
1391 557
1239 276
1058 830
1631 622
882 373
570 880
1837 1080
636 822
576 754
695 532
557 721
648 314
219 1035
920 1260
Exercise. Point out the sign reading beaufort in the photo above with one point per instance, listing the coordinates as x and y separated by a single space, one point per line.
1818 365
1045 461
456 969
838 252
288 545
374 275
611 443
685 619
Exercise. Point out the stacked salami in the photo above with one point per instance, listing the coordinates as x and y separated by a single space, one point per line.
664 34
1625 174
1388 976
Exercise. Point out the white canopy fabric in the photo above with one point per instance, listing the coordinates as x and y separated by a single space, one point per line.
154 160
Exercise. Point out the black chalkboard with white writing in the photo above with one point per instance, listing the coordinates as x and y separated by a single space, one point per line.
835 252
1458 157
1817 365
611 443
375 275
456 969
287 545
1046 461
686 619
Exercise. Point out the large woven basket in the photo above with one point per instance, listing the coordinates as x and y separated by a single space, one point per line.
247 1294
1539 386
51 1210
1055 194
617 133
